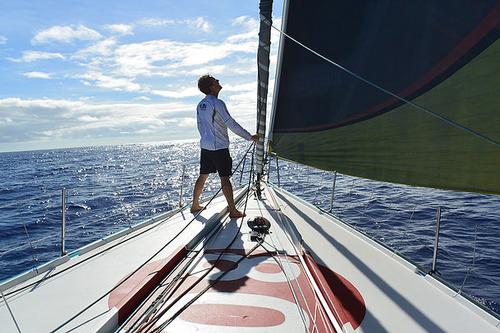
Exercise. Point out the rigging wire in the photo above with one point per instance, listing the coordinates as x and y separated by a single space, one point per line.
153 306
44 279
33 256
280 221
197 296
335 323
292 289
171 288
388 92
469 270
147 261
158 316
295 277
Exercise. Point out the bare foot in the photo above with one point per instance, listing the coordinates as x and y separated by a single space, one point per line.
234 214
196 208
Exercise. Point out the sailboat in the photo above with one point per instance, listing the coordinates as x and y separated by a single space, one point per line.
395 91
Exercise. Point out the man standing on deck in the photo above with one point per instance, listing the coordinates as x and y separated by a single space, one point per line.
213 122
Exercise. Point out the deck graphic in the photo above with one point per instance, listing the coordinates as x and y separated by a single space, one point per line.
257 296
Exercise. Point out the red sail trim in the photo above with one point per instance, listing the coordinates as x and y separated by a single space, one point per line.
489 23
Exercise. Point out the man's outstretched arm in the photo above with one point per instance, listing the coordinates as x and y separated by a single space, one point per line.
233 124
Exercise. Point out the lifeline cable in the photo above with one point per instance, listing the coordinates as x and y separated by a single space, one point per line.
128 276
376 86
44 279
142 265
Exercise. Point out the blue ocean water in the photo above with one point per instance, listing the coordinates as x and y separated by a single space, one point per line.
113 187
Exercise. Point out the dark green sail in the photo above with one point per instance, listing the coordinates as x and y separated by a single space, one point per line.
443 56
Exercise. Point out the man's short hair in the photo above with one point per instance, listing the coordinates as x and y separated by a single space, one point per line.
205 82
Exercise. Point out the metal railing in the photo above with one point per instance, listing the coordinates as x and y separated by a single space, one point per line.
73 229
64 201
335 207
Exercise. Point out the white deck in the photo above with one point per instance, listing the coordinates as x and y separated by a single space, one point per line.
254 295
46 305
397 297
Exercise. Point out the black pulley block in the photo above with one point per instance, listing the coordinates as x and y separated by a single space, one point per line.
259 225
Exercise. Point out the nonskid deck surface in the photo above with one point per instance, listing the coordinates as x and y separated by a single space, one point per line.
397 296
264 289
53 300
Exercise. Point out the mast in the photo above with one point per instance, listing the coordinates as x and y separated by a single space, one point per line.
278 74
265 7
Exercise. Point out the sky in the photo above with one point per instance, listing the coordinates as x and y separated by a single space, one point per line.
99 72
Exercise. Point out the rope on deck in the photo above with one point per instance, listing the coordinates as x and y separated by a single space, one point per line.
157 317
143 264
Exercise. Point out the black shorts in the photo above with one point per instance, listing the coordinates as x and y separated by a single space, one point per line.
216 160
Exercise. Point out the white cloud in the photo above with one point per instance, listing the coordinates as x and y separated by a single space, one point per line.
3 40
187 122
5 120
179 93
251 27
109 82
199 23
155 22
30 56
87 119
104 47
65 34
245 97
249 86
109 63
38 75
142 98
166 57
121 29
48 119
207 69
245 21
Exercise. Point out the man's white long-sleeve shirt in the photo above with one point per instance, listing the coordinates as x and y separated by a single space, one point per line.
213 122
